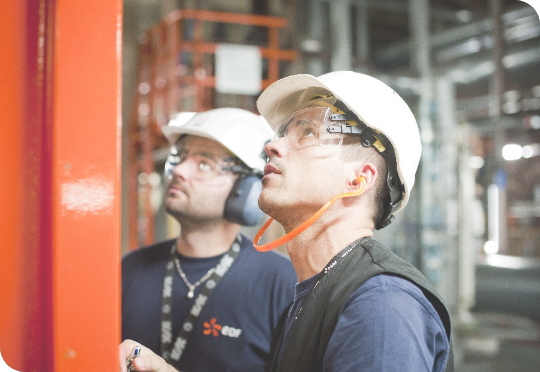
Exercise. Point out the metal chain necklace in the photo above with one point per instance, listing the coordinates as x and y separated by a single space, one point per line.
186 281
173 348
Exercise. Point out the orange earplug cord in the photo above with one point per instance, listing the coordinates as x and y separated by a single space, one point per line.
294 233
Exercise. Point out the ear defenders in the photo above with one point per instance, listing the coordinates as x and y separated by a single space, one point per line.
294 233
242 204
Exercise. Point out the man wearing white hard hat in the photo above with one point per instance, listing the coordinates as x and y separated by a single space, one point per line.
341 164
207 301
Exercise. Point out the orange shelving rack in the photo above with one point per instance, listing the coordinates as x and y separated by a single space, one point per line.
176 73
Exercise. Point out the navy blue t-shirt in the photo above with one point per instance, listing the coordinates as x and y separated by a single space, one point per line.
386 325
246 303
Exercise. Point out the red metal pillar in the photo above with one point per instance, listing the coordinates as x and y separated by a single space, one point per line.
60 184
25 256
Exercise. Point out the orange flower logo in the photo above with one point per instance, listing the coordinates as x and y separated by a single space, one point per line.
212 327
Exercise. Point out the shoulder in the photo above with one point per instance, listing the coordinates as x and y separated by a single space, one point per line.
386 317
395 295
389 282
143 268
147 255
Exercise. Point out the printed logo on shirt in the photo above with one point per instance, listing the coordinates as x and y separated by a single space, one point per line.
214 329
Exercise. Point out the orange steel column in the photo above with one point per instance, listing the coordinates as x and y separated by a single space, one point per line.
60 184
86 184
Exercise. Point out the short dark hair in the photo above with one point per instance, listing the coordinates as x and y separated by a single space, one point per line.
352 149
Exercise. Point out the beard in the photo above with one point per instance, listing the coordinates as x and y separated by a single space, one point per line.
185 210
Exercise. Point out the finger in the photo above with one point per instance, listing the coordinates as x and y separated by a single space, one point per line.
152 363
149 363
124 352
121 362
126 347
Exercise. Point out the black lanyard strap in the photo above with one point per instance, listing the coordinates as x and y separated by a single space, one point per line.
172 351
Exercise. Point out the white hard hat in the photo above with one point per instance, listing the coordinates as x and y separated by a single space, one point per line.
375 103
242 132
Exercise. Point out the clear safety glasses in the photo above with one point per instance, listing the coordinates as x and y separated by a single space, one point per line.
311 126
200 166
324 122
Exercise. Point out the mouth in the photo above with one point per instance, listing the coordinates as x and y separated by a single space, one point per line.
175 188
270 169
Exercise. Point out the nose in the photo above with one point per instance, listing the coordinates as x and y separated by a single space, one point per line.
277 147
182 169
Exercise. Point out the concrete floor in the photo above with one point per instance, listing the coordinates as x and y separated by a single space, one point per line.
498 343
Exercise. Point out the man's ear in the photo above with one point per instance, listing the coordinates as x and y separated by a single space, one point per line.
366 171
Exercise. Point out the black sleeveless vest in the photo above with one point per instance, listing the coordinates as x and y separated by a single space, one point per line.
345 273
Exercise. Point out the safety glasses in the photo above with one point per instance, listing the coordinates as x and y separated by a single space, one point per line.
314 126
200 166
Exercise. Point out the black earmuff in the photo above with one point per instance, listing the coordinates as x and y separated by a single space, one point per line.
242 205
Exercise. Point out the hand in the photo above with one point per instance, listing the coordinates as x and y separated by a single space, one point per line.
148 361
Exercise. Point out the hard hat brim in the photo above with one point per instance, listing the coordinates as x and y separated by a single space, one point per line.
271 97
241 132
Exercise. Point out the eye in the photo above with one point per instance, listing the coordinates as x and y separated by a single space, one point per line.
281 132
182 155
205 166
308 132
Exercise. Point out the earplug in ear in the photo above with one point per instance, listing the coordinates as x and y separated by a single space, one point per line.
357 180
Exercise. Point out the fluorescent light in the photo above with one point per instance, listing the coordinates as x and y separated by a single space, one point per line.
491 247
512 152
492 244
475 162
531 150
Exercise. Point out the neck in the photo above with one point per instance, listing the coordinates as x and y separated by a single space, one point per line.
203 240
318 244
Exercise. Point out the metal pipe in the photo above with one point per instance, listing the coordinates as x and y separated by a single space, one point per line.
420 62
400 50
495 110
341 46
362 32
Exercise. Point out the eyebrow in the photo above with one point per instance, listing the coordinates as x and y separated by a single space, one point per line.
207 155
200 153
304 122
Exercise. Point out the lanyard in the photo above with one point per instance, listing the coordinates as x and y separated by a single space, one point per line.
172 351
